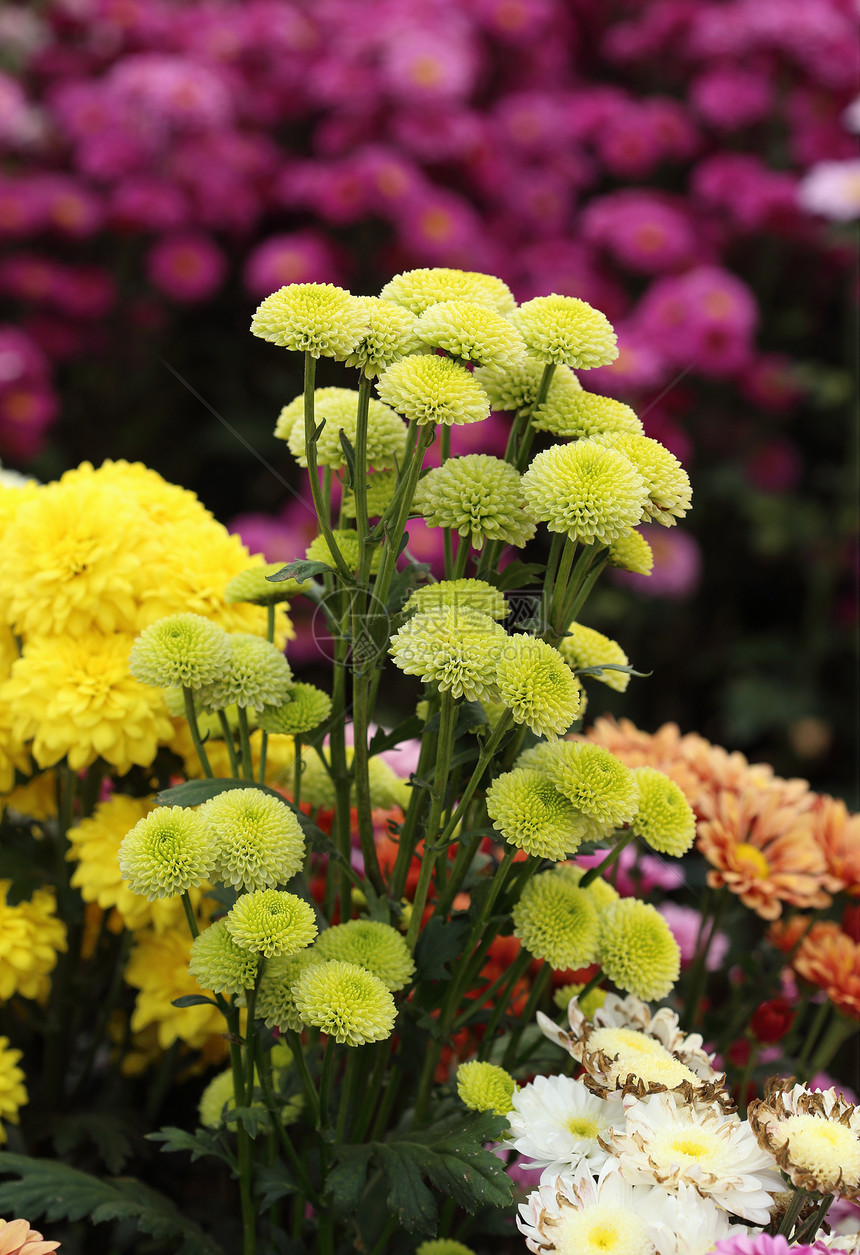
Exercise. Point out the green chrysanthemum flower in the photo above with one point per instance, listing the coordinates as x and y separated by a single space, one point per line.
475 594
417 290
253 586
387 789
166 852
317 784
579 415
217 1095
427 389
315 318
257 675
591 492
306 708
538 686
377 947
479 497
276 1004
390 335
601 892
258 841
530 813
471 332
637 950
664 818
584 647
345 1002
485 1087
557 921
566 330
271 922
631 552
457 649
595 781
592 1001
443 1246
180 651
347 542
338 407
219 964
668 485
380 490
517 387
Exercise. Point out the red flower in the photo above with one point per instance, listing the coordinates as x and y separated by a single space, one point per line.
772 1020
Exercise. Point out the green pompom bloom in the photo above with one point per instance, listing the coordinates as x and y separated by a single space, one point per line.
348 544
517 387
637 950
345 1002
473 594
595 781
306 708
592 1001
180 651
664 818
257 674
631 552
390 335
443 1246
386 432
471 332
316 318
167 852
557 921
276 1004
485 1087
584 647
258 840
387 789
567 331
669 493
457 649
530 813
271 922
580 415
375 946
427 389
217 1095
380 491
538 686
253 586
601 892
219 964
317 784
417 290
586 490
477 496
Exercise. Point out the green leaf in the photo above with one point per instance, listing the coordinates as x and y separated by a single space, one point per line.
198 1144
405 731
515 575
53 1190
438 943
272 1183
193 1000
302 569
254 1120
408 1196
403 583
345 1181
109 1134
349 457
609 666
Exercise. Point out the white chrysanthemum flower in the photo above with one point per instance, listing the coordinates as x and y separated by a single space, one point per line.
685 1223
631 1012
580 1216
556 1121
813 1135
668 1143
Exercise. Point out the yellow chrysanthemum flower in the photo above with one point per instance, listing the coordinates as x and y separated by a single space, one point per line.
165 505
517 387
13 1094
428 389
631 552
158 968
76 557
580 415
585 647
591 492
538 686
668 484
417 290
37 798
479 497
316 318
566 330
471 332
31 937
390 335
485 1087
338 408
76 699
12 498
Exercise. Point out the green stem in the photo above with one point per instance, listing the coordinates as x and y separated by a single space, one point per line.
538 989
359 487
270 624
463 549
320 507
189 914
227 732
836 1034
290 1150
792 1211
372 1090
408 828
326 1078
589 985
243 1141
612 856
264 753
752 1060
297 770
295 1044
807 1231
549 579
409 481
560 592
245 742
821 1013
250 1041
445 750
191 717
500 990
361 770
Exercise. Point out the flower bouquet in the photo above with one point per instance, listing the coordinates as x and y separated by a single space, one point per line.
209 864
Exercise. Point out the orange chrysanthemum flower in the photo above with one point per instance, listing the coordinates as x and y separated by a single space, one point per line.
17 1238
837 831
761 848
827 957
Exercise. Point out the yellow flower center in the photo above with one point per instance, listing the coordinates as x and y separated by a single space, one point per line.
613 1040
604 1229
579 1126
691 1147
752 860
823 1147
